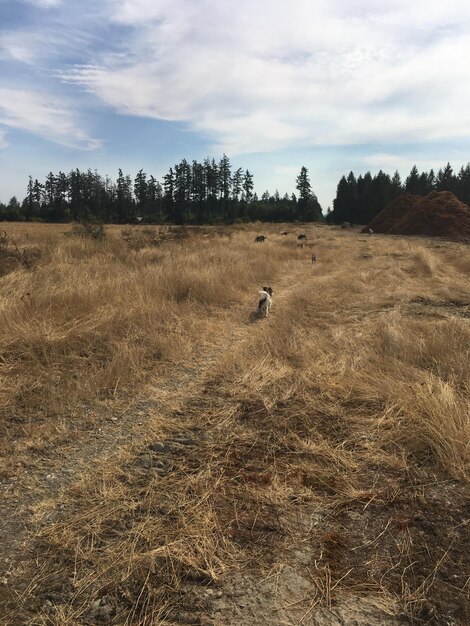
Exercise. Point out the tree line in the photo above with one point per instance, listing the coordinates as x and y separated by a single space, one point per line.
214 192
359 200
190 193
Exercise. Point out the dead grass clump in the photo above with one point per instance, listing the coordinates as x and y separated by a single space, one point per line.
426 261
12 257
139 238
88 230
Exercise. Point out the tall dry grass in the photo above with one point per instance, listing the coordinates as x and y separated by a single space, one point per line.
332 429
94 316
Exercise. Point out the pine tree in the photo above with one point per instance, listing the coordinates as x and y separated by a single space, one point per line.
431 183
141 189
50 189
445 179
30 207
198 190
464 184
303 185
182 191
412 183
225 177
124 200
169 191
397 187
248 186
237 184
309 208
342 203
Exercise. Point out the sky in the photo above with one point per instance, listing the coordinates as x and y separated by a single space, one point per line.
332 85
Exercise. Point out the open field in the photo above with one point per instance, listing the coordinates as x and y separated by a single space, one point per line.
167 458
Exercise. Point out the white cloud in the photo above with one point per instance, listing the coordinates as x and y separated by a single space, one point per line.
3 141
20 46
274 74
45 46
41 115
44 3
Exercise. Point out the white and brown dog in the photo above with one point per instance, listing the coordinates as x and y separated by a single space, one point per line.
265 301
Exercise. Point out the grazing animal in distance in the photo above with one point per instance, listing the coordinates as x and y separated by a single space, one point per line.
284 233
302 237
370 231
260 238
314 258
265 301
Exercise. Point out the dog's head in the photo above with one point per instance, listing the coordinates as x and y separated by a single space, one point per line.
268 290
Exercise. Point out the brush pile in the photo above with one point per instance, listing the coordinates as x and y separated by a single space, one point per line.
439 214
393 213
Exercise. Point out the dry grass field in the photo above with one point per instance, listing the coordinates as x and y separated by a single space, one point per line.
169 459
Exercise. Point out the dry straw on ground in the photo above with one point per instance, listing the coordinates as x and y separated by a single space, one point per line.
303 469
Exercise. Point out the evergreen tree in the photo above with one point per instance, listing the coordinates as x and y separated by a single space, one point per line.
445 179
225 177
342 203
30 206
412 183
38 193
168 198
309 209
198 191
13 210
124 200
431 182
303 185
397 187
141 189
237 184
182 190
464 184
50 189
248 186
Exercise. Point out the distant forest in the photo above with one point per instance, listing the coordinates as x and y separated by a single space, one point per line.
213 192
197 193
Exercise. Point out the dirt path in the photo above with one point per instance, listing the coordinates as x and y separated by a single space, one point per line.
29 502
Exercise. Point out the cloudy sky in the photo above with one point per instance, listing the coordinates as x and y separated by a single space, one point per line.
333 85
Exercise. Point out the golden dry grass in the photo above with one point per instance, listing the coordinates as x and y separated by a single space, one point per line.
332 437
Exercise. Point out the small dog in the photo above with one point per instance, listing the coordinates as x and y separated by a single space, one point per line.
266 300
314 258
